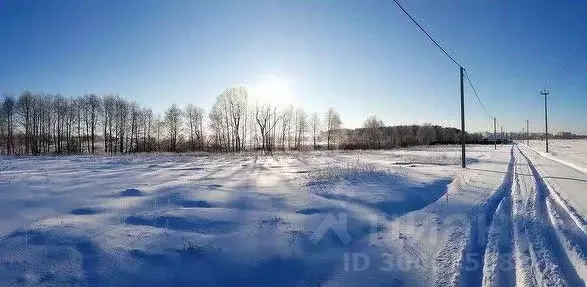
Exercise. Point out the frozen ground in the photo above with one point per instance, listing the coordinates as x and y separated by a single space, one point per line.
398 218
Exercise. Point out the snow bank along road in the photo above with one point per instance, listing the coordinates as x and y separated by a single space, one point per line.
397 218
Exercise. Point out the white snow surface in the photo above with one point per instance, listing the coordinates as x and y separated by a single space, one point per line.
409 217
572 153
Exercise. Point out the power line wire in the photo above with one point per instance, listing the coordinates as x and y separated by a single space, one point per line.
427 34
476 94
558 68
448 55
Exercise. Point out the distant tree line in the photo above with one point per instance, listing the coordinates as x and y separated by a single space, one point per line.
34 124
375 135
540 136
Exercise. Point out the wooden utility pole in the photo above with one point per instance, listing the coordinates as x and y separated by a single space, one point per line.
463 161
545 93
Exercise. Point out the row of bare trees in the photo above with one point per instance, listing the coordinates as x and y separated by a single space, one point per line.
35 124
238 123
42 124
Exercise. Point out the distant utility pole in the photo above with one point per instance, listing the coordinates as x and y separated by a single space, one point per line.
494 134
545 93
463 162
501 135
527 132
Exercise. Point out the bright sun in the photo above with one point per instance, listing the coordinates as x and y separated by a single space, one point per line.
272 90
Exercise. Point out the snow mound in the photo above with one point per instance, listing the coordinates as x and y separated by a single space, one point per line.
85 211
131 192
391 193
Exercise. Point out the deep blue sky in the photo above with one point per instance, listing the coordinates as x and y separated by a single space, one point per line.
361 57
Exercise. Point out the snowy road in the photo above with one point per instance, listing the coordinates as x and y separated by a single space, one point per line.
397 218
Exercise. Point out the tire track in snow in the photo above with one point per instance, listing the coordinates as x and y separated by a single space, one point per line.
561 199
521 200
473 257
527 238
552 235
498 265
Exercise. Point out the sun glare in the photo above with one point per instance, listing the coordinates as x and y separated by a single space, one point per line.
272 90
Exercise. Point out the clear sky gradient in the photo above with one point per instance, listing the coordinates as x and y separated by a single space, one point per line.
361 57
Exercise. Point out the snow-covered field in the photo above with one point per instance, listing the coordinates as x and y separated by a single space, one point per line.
573 152
374 218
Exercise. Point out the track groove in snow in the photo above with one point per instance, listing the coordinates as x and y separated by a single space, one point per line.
524 235
498 263
553 235
522 252
472 263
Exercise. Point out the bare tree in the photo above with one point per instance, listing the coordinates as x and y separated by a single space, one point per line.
263 117
70 115
121 116
148 125
94 105
228 118
8 111
301 124
134 126
173 122
60 110
373 129
315 126
333 124
25 108
286 126
216 125
159 125
236 103
77 107
194 123
108 118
